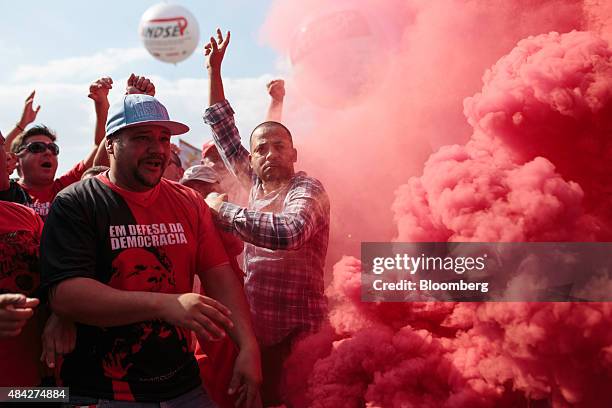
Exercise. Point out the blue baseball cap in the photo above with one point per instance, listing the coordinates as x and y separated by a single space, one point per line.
139 109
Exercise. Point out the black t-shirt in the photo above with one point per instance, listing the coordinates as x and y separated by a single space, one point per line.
153 241
15 194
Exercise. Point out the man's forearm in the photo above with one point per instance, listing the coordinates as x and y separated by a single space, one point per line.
101 116
11 136
220 117
285 230
215 82
221 284
96 157
101 157
91 302
275 110
89 160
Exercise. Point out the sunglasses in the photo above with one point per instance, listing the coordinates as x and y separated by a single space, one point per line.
40 147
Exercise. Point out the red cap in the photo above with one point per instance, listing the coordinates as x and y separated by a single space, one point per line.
206 147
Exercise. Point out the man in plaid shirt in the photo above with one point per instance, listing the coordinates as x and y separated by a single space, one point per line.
285 228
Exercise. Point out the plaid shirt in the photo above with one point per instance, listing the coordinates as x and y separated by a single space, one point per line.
286 234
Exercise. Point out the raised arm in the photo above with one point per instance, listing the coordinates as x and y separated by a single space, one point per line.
214 52
98 92
220 115
276 90
28 115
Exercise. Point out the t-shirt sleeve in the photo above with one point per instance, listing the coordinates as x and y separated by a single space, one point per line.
210 248
68 243
17 217
73 175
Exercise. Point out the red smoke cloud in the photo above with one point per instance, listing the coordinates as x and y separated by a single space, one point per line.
376 85
532 163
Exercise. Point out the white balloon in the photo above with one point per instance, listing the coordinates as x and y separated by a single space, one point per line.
169 32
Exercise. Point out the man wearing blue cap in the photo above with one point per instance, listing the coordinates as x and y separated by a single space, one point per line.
119 253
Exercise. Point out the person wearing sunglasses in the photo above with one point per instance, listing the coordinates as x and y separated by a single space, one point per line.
37 154
37 150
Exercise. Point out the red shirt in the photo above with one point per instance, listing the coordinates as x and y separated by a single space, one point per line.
42 198
20 230
216 358
153 241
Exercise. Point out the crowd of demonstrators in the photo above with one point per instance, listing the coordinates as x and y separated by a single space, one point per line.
104 292
119 254
285 228
32 338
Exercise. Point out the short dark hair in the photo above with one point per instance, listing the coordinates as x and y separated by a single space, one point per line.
22 139
94 171
270 124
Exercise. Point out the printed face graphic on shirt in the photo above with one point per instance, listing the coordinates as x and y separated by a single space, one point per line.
141 269
151 245
132 350
19 265
147 270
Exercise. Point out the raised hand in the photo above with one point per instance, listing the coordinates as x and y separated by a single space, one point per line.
29 113
276 89
215 51
98 90
139 85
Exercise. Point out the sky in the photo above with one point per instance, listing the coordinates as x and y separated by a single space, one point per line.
58 48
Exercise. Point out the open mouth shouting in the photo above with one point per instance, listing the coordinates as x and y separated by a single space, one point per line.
46 165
